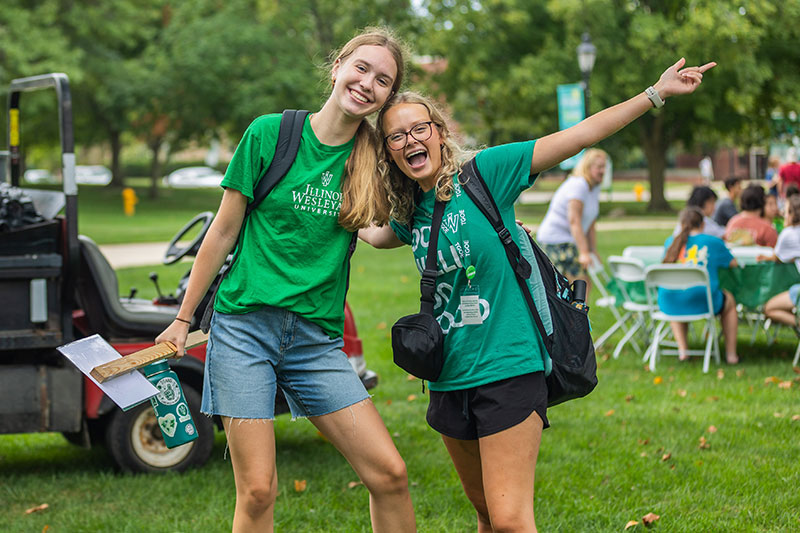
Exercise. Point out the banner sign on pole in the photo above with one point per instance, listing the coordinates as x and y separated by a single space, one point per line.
570 111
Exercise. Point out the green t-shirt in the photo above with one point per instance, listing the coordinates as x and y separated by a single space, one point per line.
292 251
507 343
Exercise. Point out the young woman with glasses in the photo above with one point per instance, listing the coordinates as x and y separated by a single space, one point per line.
490 402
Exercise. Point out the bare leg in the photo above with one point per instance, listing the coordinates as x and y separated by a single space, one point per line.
467 461
360 435
252 448
508 460
730 328
681 332
779 308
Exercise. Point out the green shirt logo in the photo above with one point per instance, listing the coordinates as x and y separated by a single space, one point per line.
326 178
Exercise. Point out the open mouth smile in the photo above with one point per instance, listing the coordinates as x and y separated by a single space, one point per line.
417 158
358 97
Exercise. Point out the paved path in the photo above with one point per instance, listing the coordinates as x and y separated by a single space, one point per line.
151 253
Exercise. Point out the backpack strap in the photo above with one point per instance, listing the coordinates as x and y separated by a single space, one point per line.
427 285
289 134
475 186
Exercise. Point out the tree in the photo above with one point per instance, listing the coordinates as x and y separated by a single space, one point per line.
507 57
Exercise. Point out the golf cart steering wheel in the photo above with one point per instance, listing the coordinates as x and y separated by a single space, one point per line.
175 254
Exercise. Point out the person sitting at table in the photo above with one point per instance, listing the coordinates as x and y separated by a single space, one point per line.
706 199
726 208
780 307
772 213
749 227
692 246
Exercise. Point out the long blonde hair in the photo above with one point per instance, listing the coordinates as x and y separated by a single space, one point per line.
402 189
363 196
589 156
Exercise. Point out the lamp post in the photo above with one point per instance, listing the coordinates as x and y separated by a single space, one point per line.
586 56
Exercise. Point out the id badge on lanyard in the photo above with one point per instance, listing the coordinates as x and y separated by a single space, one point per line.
470 295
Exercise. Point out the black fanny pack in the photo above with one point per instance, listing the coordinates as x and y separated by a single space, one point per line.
417 340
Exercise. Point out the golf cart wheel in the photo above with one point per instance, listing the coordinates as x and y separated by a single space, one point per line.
134 440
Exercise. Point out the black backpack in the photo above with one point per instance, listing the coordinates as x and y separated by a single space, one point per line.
289 133
569 344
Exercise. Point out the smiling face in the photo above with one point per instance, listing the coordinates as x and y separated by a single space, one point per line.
770 207
418 160
362 82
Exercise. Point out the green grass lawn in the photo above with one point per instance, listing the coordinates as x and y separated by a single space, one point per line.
630 448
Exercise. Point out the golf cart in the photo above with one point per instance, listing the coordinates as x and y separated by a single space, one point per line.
58 286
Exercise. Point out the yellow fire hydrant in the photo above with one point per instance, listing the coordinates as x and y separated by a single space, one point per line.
638 190
129 201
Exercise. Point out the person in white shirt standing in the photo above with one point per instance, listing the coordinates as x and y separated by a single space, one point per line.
567 233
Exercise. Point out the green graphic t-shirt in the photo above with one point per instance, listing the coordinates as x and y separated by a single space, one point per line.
507 343
292 250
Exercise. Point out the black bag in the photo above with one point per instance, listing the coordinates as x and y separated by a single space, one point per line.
569 345
417 340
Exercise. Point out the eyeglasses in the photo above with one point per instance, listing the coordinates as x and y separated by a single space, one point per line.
398 140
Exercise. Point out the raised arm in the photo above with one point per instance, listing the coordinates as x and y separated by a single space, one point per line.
558 146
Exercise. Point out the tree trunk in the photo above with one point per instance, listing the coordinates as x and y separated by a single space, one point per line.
655 149
155 166
117 179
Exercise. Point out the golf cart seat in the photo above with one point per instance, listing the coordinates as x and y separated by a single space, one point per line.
107 313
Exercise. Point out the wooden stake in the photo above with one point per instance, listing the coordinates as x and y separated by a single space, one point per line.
142 358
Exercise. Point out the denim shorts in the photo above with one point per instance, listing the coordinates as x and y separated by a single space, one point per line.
249 355
794 291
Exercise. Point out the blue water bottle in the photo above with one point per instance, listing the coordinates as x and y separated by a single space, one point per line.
172 411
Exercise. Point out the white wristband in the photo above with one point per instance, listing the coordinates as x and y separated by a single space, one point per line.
652 94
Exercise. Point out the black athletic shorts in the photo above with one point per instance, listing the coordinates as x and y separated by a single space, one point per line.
469 414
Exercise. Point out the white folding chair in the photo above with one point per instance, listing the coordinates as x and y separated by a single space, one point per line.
629 270
680 277
646 254
600 279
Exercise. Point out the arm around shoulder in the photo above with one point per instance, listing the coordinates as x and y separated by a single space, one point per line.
380 237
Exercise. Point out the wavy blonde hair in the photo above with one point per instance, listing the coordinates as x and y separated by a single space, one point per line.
364 198
589 157
401 189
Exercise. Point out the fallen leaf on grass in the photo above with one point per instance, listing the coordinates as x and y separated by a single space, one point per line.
605 357
796 369
45 528
643 454
712 429
777 415
785 385
354 484
644 441
389 401
36 509
712 398
795 418
300 486
704 445
657 380
629 398
740 373
720 373
411 397
666 457
631 523
682 393
771 379
609 412
381 325
649 518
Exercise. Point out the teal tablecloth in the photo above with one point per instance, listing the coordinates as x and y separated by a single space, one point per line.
753 285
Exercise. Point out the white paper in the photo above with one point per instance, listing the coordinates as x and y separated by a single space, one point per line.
126 390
